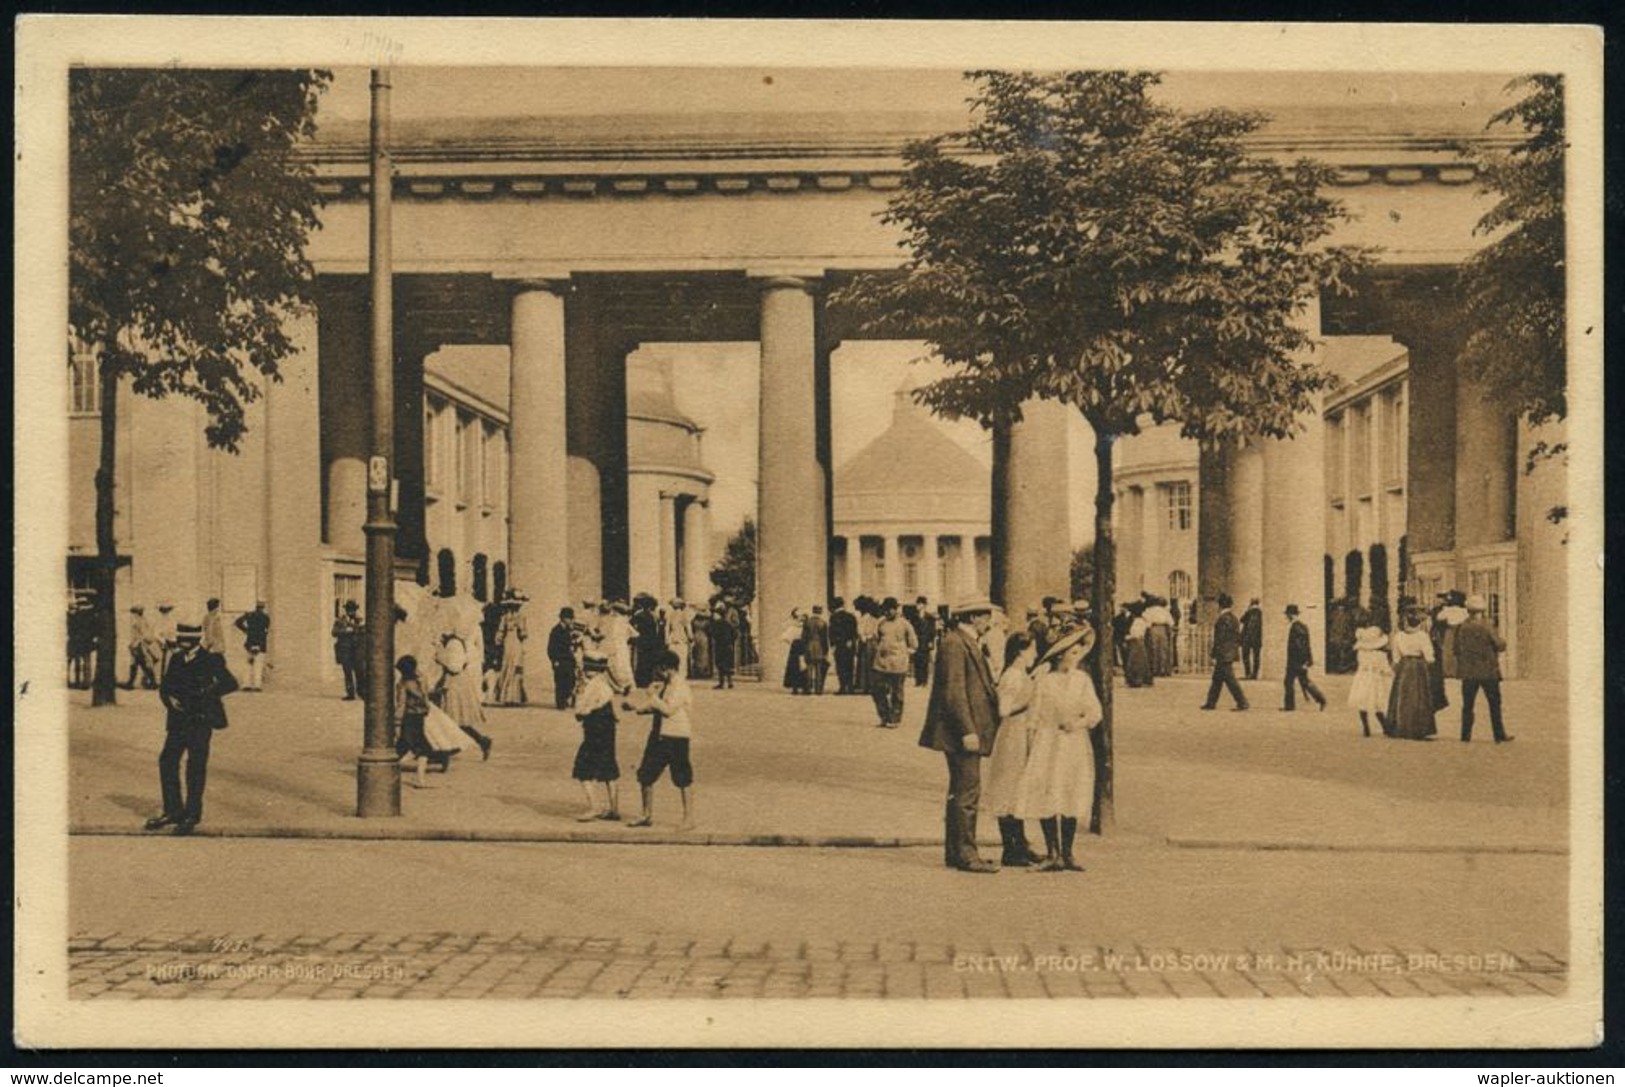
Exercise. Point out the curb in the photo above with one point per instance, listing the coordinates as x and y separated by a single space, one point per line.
384 832
1286 846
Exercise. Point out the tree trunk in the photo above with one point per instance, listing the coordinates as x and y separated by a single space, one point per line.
1000 544
104 686
1104 605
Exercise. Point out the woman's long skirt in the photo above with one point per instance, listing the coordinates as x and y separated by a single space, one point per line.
794 672
1160 649
1137 672
1410 700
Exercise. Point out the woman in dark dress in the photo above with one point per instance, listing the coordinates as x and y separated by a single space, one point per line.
1410 699
1137 669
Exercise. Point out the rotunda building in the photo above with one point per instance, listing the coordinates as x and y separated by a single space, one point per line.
668 487
912 514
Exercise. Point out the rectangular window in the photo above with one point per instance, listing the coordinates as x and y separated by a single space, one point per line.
496 469
1177 499
431 446
1336 435
1393 437
461 428
347 587
84 385
1359 419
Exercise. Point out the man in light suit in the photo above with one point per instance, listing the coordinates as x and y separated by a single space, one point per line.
961 721
1226 651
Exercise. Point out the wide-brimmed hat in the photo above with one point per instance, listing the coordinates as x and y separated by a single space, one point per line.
975 605
1370 638
620 607
1292 609
1083 634
677 602
166 605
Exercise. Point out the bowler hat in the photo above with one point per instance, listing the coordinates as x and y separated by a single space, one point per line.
888 604
1292 609
351 605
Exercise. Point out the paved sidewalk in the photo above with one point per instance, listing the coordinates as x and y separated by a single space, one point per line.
778 770
444 965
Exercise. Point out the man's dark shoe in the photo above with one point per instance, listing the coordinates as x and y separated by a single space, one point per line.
184 827
978 865
159 822
1210 707
1506 739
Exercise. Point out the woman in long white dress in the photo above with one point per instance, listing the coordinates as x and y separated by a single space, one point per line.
458 692
1001 779
1058 785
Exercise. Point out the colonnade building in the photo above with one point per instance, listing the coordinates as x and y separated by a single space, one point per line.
565 246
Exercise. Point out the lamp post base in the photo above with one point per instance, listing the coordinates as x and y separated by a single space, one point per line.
378 784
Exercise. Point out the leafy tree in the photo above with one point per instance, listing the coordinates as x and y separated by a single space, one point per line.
1083 242
189 209
735 573
1083 571
1514 287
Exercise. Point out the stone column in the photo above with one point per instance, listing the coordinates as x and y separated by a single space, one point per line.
1247 527
584 427
1152 567
791 521
967 568
1036 515
1486 476
345 428
1294 548
894 566
293 486
668 546
696 579
538 506
930 581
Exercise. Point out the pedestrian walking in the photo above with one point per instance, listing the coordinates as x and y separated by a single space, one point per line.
145 651
596 768
962 722
165 629
1300 655
700 663
1137 669
562 647
1058 784
646 643
1226 649
256 629
1373 678
615 627
670 702
843 637
815 649
1411 698
894 646
795 672
1252 638
214 628
724 634
1478 663
1008 761
349 649
868 626
512 633
458 691
925 637
412 707
678 633
193 686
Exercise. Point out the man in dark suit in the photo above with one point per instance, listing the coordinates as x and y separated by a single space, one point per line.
1478 663
815 649
1299 656
191 690
1226 648
925 634
843 637
961 721
1252 638
561 653
350 649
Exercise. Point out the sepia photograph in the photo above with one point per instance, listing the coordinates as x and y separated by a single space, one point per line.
747 533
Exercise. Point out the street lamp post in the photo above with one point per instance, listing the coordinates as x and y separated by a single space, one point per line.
378 772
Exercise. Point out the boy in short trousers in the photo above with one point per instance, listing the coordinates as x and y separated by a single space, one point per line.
670 701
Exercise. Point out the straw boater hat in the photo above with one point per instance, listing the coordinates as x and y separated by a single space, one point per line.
1477 604
973 606
619 607
1084 634
1370 638
188 633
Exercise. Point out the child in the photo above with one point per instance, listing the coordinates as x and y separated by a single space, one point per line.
595 758
1372 682
669 700
413 705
